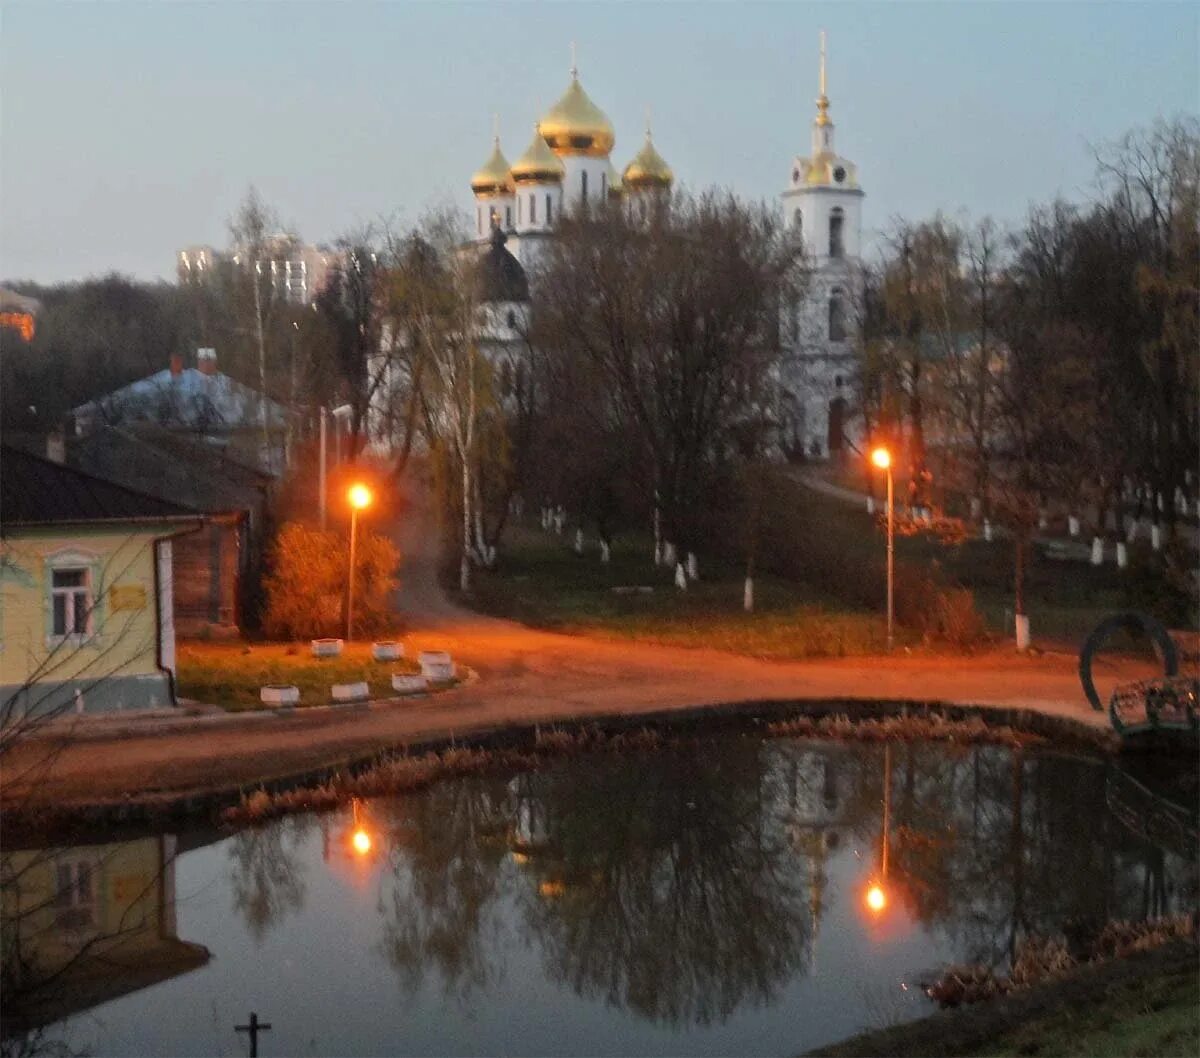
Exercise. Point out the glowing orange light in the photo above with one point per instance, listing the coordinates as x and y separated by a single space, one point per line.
882 458
876 898
359 496
362 841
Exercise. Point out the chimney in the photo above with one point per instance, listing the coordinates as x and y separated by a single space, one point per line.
206 361
56 447
176 364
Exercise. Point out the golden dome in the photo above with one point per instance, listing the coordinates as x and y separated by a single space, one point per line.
538 163
494 177
648 169
615 187
575 125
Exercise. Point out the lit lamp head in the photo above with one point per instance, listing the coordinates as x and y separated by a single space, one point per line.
882 458
359 497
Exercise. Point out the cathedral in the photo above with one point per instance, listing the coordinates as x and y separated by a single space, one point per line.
568 164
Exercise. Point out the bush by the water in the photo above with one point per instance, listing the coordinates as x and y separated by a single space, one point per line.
306 584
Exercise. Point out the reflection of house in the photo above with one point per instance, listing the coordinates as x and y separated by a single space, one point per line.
200 401
85 925
85 590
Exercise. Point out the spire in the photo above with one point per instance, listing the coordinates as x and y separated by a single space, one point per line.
496 129
574 64
647 121
823 99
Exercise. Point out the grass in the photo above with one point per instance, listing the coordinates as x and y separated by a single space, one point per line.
543 583
230 674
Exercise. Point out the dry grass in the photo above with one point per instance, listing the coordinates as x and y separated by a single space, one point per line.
903 728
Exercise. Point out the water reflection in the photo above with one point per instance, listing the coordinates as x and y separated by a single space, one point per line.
680 890
85 925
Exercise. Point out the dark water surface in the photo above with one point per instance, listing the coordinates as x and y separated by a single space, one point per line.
708 898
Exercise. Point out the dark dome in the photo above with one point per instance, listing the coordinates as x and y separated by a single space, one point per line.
501 277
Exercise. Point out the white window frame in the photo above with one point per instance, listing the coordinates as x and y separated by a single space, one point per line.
71 561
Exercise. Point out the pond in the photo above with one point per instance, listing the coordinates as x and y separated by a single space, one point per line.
711 897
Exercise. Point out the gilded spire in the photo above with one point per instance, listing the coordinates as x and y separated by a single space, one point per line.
822 99
574 64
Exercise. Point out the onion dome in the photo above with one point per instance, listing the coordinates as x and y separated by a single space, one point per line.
575 125
538 163
494 177
648 169
499 274
615 187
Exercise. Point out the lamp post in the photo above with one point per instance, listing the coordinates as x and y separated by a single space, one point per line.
359 497
882 458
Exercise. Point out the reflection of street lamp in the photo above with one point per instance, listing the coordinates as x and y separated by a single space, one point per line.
360 836
360 499
877 896
882 458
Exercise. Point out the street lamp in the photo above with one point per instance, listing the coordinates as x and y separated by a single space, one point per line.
882 458
359 497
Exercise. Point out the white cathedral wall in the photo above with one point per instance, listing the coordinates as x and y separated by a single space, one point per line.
817 205
576 166
531 207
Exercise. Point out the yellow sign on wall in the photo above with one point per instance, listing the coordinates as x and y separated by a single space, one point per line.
127 597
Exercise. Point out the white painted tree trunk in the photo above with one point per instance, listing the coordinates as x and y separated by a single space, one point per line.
1122 556
1156 537
658 553
1161 503
1022 629
1072 525
693 566
1132 532
987 531
748 595
604 552
1097 551
976 508
1043 521
870 505
669 556
680 577
579 541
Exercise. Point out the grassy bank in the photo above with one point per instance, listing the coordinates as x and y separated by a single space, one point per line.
230 674
1145 1004
542 582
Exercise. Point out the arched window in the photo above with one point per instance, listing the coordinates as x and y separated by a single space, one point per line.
837 316
798 223
511 319
549 211
603 184
583 184
837 220
508 217
479 219
533 209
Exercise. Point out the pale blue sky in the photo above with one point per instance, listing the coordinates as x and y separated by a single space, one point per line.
130 129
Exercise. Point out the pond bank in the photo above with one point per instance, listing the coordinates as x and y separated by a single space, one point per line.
321 750
1141 1004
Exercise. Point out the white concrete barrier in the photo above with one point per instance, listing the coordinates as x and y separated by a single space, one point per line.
1122 555
387 650
1097 551
436 666
409 683
326 648
279 694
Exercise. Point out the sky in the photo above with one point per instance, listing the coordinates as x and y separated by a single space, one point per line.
129 130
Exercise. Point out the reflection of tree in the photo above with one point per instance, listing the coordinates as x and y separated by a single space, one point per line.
669 889
439 912
268 879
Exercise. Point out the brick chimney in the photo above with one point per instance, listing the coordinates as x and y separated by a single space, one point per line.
176 364
206 361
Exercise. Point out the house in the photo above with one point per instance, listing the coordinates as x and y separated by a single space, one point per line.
202 403
86 613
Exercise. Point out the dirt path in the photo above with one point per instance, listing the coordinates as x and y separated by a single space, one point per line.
524 676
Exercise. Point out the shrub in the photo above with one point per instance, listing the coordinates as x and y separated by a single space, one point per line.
307 582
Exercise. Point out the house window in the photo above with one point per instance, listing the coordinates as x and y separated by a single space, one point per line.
583 184
549 211
837 317
837 221
74 895
532 209
70 601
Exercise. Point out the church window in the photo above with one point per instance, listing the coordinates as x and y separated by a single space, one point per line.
508 216
583 184
549 210
798 223
837 221
511 319
603 184
520 211
479 219
837 316
533 209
